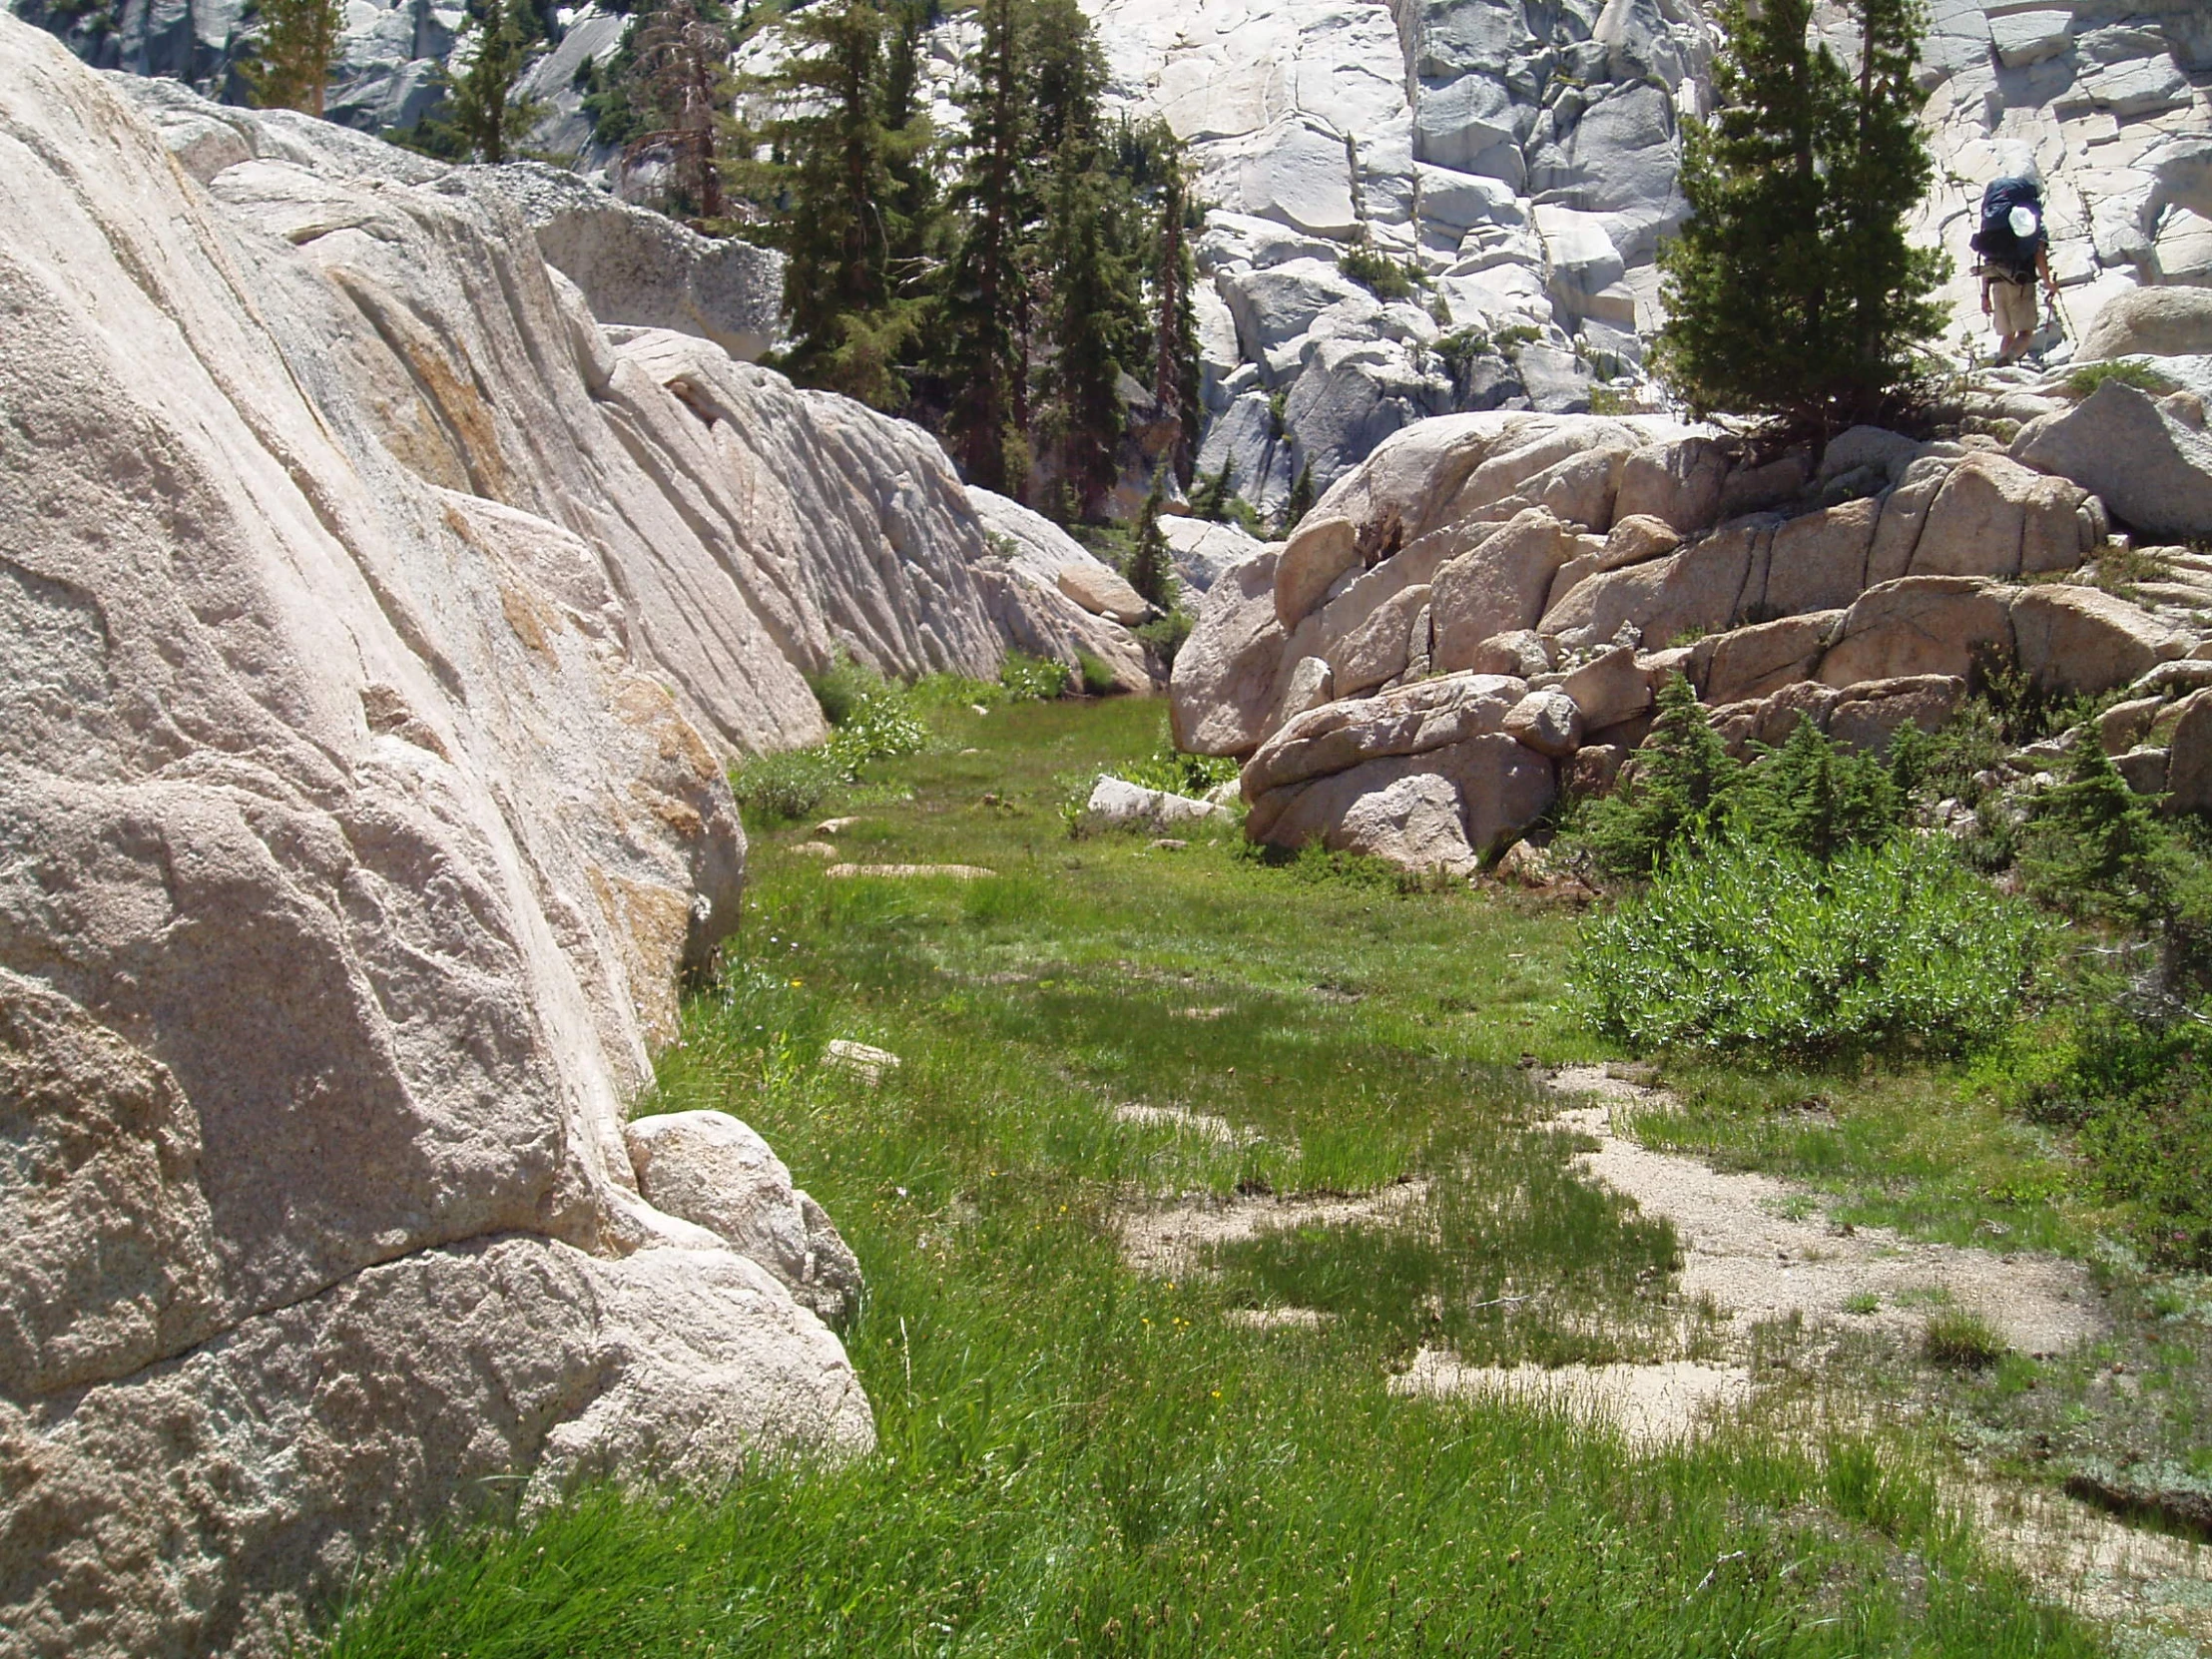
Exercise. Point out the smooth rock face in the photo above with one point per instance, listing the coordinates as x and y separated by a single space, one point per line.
2152 471
1221 694
2159 322
367 679
641 267
1919 624
710 1168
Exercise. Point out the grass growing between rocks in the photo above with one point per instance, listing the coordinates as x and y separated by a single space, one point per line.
1080 1459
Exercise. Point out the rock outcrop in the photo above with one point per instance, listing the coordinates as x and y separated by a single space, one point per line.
1520 164
1476 603
375 629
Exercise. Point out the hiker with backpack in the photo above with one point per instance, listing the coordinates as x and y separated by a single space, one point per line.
2015 252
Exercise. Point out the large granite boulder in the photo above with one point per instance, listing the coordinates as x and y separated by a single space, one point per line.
642 267
2153 471
2159 322
368 672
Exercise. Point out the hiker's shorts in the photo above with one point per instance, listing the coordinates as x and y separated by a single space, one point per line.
2012 307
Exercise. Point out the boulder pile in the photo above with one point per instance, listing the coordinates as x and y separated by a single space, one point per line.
1484 611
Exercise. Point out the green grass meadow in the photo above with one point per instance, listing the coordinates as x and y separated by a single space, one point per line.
1075 1459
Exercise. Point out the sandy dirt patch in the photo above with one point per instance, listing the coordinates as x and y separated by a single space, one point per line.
1277 1319
1742 1250
1173 1238
1204 1125
1651 1405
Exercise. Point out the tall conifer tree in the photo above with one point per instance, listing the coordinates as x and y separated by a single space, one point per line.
835 200
988 291
1792 290
486 113
290 69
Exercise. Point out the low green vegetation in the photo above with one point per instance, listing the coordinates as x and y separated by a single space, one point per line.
1094 1443
2085 379
1763 950
1381 275
872 720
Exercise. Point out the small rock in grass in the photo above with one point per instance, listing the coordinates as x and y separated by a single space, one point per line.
956 873
835 826
867 1063
815 849
1166 843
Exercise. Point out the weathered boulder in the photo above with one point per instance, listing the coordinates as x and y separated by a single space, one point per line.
1608 689
1117 804
1102 592
1019 579
1504 787
2165 321
1203 550
1373 644
1416 824
710 1168
1524 653
1677 482
1694 590
1995 518
641 267
1428 714
1222 692
1749 662
2187 732
1549 722
2151 469
1868 716
1500 587
2076 639
1918 625
1635 538
1818 561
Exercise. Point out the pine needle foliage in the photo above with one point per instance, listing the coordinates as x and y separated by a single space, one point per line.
842 191
291 68
1792 293
1151 569
485 112
1675 794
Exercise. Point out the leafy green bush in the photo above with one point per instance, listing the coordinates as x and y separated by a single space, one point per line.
1168 768
843 688
788 784
1098 680
1764 953
1163 636
1034 679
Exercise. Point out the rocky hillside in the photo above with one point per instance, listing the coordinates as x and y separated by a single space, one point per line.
376 626
1480 617
1520 158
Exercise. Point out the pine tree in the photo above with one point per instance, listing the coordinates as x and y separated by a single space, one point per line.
1174 370
1791 290
290 69
831 200
1093 296
1151 568
682 84
1677 792
987 289
485 114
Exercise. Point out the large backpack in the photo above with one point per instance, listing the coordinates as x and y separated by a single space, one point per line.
2008 252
